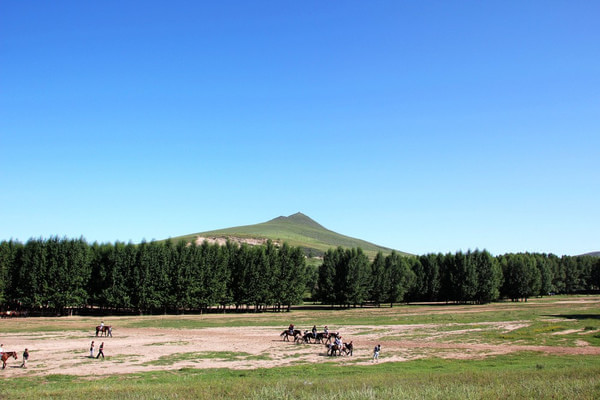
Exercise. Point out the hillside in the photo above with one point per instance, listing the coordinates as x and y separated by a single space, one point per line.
297 230
593 254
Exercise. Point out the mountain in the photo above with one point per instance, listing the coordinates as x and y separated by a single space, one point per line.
593 254
297 230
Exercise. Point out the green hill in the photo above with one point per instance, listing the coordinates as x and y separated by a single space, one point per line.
297 230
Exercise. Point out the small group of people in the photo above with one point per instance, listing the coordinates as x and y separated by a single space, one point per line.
338 340
25 355
313 330
325 331
100 350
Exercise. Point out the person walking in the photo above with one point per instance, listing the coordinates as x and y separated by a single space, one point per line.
25 358
100 350
376 351
92 349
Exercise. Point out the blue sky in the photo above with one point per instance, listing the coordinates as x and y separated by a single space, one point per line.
422 126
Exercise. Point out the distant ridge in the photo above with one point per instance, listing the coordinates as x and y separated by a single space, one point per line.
297 230
593 254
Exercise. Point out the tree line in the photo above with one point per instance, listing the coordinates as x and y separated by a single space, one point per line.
347 277
158 277
59 274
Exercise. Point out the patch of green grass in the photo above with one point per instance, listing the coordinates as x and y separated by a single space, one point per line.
525 375
212 355
179 343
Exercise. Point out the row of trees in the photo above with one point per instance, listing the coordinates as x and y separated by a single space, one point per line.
56 274
346 277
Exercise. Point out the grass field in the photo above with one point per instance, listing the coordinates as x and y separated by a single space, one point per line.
439 346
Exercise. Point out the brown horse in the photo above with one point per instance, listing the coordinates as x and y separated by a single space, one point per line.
6 355
308 336
286 333
348 348
332 336
105 330
333 350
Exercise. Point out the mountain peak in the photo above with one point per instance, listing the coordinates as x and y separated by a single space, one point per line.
299 218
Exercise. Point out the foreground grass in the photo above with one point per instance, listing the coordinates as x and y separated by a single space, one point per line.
525 375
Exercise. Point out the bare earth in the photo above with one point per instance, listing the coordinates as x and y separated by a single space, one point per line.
137 350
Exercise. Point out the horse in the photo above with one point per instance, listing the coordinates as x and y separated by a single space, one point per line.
105 330
6 355
332 336
308 336
348 348
332 349
286 333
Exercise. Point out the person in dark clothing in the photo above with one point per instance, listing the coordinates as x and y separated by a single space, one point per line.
25 358
101 350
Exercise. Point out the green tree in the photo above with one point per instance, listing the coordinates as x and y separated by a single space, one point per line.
402 276
546 277
292 271
326 288
8 262
430 264
489 276
216 274
358 272
380 280
521 276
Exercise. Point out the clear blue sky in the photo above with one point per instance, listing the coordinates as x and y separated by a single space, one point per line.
431 126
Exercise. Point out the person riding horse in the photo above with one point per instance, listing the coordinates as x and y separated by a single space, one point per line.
105 330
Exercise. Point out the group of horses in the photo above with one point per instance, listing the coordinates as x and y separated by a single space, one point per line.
319 338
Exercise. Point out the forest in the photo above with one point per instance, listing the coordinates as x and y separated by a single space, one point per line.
60 275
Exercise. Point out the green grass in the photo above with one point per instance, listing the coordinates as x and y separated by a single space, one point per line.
547 312
547 321
525 375
210 355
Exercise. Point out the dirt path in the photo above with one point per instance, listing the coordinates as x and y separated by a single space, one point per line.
137 350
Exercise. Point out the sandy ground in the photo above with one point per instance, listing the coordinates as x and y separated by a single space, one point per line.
137 350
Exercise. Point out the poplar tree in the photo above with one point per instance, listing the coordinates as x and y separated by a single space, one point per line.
401 277
380 280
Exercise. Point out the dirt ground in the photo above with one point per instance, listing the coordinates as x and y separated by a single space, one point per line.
137 350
